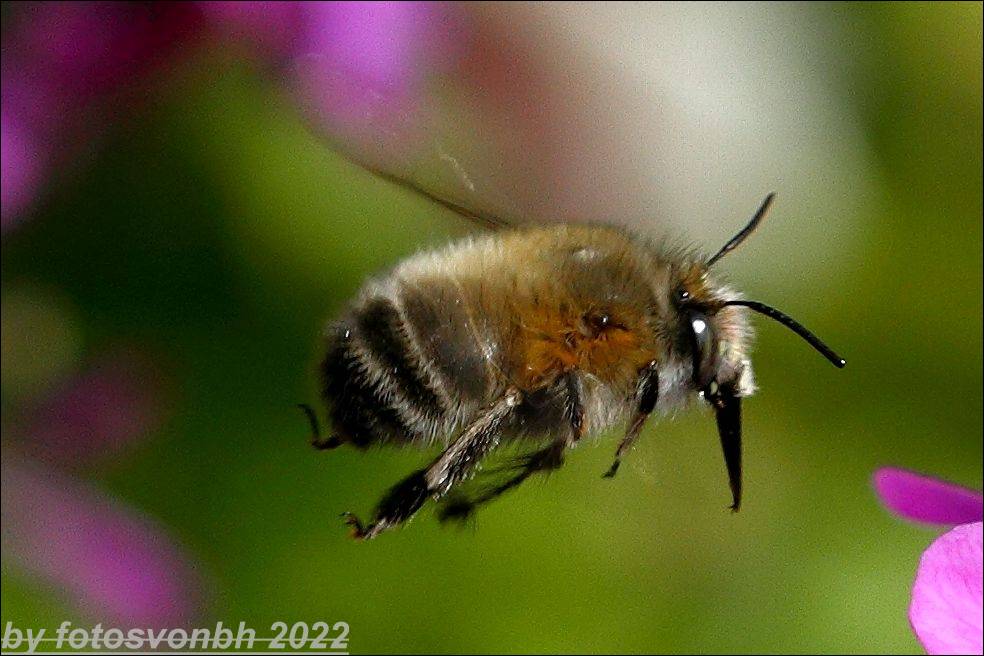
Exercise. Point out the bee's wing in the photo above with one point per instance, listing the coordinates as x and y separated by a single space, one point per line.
381 108
483 218
407 139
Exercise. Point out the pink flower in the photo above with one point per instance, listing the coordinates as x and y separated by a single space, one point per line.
947 595
101 556
112 562
59 58
95 413
359 69
21 163
270 26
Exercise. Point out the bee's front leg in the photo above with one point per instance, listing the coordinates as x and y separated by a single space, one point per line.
407 496
574 407
647 393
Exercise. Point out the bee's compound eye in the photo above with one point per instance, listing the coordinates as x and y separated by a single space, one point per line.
682 296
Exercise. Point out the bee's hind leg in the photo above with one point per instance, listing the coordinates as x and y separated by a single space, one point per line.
317 440
406 497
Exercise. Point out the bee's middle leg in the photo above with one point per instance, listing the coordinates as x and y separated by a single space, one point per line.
543 460
546 459
406 497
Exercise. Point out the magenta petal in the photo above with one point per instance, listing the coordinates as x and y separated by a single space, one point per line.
947 596
97 412
93 47
270 25
361 68
925 499
21 164
112 563
377 43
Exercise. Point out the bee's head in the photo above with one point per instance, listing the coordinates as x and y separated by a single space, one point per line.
714 338
714 333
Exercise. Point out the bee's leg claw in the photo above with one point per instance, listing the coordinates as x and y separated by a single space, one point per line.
359 531
612 470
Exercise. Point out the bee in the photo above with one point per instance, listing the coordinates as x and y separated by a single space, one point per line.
542 335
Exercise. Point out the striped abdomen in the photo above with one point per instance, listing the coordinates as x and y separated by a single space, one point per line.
403 365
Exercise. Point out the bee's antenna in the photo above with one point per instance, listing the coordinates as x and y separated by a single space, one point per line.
788 321
747 230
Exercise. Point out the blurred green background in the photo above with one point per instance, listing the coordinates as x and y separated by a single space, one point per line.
216 233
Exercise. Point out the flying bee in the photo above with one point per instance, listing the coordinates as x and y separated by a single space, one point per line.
543 335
